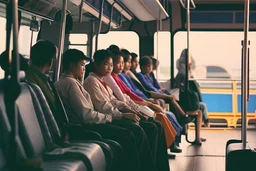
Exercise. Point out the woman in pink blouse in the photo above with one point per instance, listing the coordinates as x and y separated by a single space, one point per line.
118 66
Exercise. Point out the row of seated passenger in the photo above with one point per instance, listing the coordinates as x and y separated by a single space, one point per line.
54 124
46 128
132 87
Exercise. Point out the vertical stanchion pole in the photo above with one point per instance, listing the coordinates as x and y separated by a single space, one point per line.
188 45
12 88
61 39
245 72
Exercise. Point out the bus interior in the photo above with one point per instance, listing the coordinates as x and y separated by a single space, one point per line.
158 28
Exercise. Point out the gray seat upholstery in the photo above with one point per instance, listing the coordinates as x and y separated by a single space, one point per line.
3 163
36 138
48 165
61 165
37 95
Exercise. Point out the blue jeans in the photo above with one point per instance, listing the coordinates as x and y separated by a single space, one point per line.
204 110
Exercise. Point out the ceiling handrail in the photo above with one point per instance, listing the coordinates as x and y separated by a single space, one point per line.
192 3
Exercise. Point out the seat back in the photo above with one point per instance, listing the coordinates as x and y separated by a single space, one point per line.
29 129
62 118
3 163
5 127
42 105
5 132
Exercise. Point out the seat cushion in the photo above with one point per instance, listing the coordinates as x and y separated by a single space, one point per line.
91 154
107 150
64 165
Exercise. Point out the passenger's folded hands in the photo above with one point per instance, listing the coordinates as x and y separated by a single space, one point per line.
131 116
142 117
155 107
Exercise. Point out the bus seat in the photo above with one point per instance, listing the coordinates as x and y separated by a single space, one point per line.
3 163
33 141
41 104
5 130
68 165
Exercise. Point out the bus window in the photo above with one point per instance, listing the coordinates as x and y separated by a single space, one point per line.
2 34
216 54
2 41
163 51
124 39
78 41
24 40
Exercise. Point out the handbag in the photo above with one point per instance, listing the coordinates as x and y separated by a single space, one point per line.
188 99
196 88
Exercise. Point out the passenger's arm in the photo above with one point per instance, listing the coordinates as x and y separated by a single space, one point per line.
146 84
109 80
160 96
81 103
100 102
157 84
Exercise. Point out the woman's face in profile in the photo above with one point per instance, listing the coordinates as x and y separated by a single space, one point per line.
148 68
135 64
106 67
118 65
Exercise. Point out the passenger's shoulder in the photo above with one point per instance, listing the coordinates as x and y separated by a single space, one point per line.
139 74
91 80
66 82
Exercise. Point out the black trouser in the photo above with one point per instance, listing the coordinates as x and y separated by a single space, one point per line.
118 154
156 141
130 159
144 150
160 147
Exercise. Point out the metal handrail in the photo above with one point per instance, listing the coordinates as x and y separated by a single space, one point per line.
245 73
81 11
100 23
61 39
12 88
110 19
188 45
192 2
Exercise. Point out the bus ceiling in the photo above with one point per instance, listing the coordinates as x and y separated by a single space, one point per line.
39 8
147 10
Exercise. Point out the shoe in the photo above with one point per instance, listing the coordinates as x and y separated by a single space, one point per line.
175 149
186 119
196 143
171 156
207 124
203 139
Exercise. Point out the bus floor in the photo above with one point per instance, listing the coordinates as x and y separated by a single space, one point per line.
211 155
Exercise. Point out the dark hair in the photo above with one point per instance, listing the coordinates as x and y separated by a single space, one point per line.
42 53
113 48
72 56
154 62
134 56
101 55
5 64
145 60
126 55
117 54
